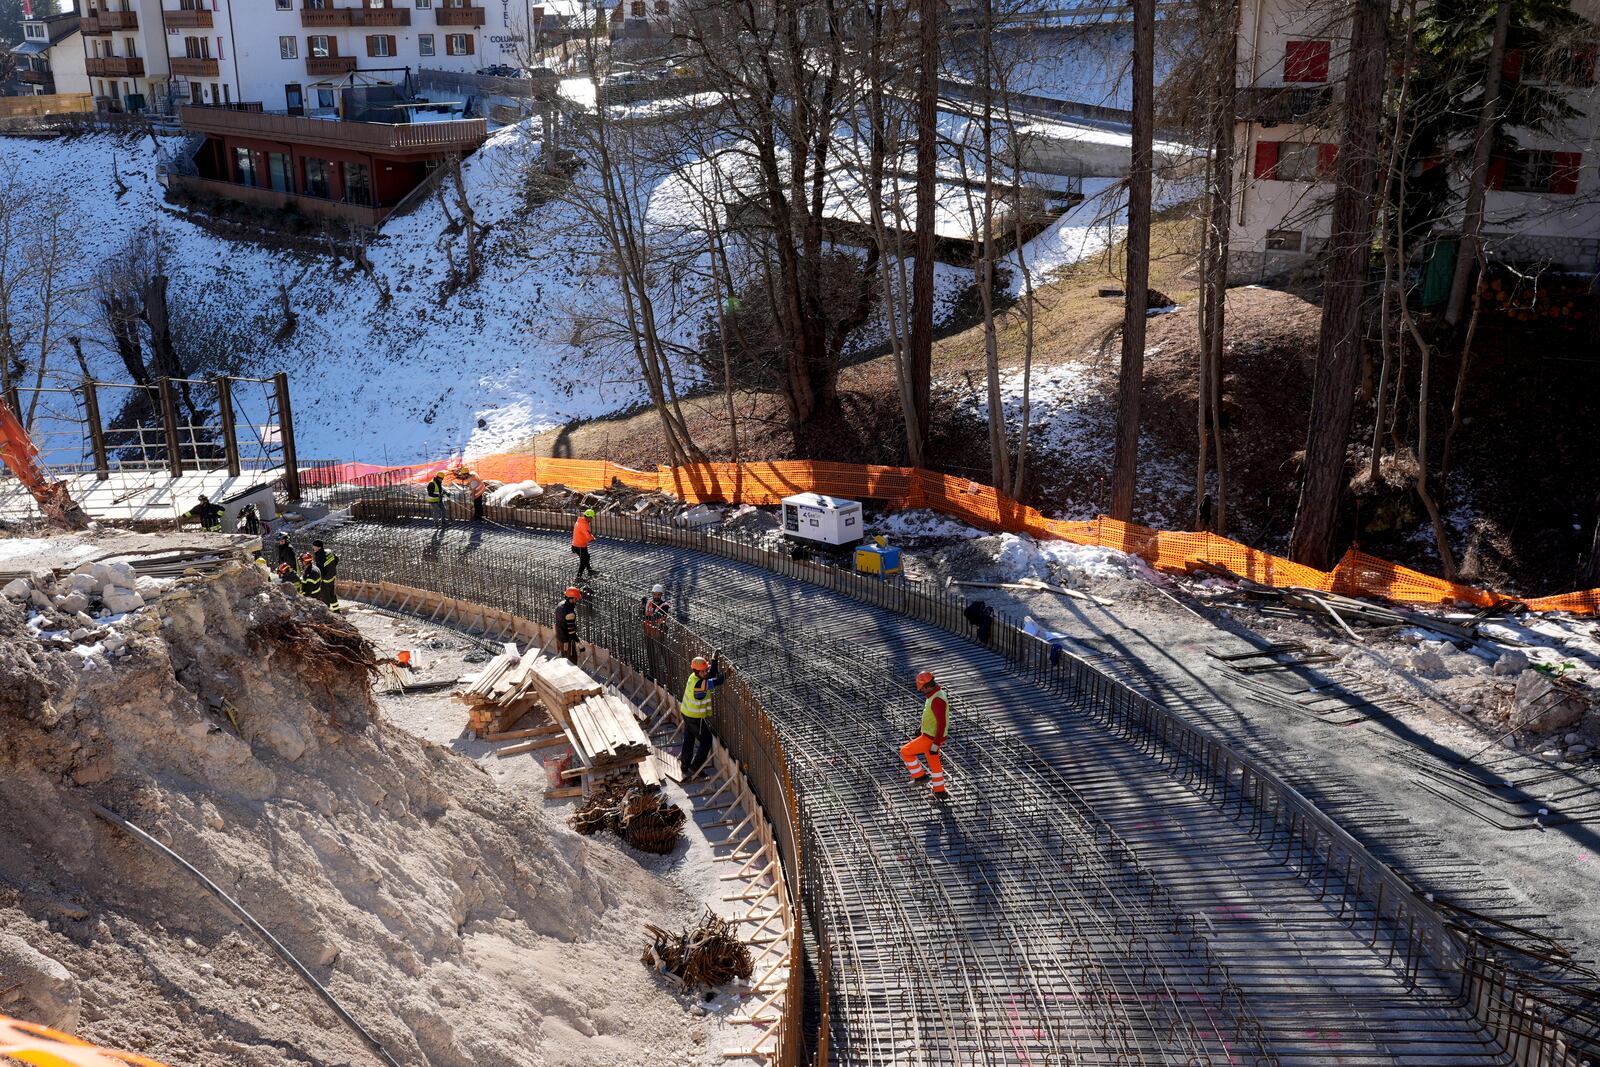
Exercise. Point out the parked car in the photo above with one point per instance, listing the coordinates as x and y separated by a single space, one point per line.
500 70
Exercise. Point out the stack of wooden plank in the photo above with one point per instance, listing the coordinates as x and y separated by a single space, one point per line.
560 684
503 692
606 733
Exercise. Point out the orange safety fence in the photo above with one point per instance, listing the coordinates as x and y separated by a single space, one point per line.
767 483
43 1047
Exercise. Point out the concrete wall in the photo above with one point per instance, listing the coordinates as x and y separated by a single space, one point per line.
67 65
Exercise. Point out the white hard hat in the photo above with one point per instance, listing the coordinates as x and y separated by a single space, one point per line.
658 589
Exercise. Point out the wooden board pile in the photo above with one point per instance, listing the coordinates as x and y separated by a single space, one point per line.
1344 612
642 817
707 957
503 692
607 733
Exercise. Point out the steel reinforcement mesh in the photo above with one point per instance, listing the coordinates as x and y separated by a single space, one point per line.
1018 924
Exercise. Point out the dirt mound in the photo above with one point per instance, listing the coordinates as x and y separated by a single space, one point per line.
1266 399
459 923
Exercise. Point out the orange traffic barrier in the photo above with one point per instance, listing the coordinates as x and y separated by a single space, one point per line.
39 1045
767 483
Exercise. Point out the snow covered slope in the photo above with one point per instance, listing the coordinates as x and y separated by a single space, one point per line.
412 376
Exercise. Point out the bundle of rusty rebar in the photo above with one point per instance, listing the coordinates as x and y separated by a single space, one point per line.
641 817
709 956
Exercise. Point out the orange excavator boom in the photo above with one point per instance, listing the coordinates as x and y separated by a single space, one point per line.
22 456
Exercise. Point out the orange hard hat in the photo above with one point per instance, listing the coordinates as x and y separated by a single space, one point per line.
307 558
574 592
924 679
699 664
284 568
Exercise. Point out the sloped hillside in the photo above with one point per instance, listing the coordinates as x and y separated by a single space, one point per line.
462 924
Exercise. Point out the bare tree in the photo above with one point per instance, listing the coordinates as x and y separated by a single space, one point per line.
1470 251
1125 456
1339 342
921 343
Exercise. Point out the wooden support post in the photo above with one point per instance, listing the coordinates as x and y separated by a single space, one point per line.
97 429
291 460
230 436
169 427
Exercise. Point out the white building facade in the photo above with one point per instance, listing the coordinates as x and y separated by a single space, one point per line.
292 55
1543 204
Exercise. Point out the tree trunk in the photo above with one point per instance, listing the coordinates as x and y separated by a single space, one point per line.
1589 572
1125 458
1471 249
1339 343
927 165
1217 273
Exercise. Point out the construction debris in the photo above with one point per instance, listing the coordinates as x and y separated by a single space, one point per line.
641 816
708 957
1034 585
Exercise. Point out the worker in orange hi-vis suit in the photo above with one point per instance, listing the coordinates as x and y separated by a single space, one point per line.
935 721
582 538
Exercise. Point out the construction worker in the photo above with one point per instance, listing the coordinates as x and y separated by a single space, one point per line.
704 676
436 498
476 488
328 564
310 577
657 613
567 623
285 550
582 537
207 514
287 575
935 721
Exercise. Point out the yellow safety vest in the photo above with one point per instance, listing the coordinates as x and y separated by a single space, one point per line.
696 703
930 721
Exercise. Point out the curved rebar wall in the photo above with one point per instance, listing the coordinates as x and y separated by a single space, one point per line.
1127 902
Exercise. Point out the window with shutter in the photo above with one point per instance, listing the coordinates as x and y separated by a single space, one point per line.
1305 61
1327 161
1511 65
1266 160
1564 172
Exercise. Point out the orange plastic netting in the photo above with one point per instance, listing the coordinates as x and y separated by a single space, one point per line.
1358 574
28 1043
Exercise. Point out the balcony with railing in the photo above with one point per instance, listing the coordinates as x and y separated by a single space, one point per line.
325 17
322 66
1286 103
34 77
114 67
106 21
385 138
188 19
459 16
194 66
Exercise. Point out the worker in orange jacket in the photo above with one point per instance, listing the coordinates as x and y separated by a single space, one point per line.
928 743
582 537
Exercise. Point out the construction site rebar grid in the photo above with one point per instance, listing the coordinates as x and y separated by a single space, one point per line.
1074 920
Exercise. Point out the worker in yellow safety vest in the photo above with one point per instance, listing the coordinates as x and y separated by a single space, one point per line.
928 743
704 676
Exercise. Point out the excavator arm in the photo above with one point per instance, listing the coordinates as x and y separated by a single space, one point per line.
20 454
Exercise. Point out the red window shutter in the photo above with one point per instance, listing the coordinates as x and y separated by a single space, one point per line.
1511 65
1327 160
1267 160
1305 61
1564 174
1496 178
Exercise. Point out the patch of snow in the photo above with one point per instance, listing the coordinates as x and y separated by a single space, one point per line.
922 523
1020 556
